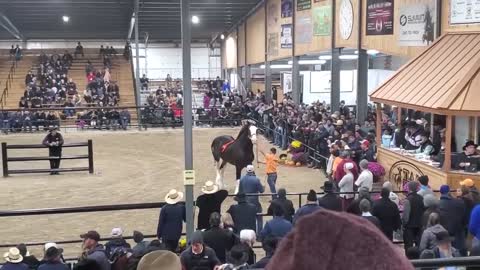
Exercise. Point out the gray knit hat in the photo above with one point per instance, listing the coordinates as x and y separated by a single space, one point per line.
197 238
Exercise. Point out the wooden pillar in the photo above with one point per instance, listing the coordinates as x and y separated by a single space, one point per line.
447 164
399 116
379 124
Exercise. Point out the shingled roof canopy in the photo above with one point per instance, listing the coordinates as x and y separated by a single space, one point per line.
444 79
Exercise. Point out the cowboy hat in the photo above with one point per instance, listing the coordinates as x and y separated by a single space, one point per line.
469 143
209 188
339 123
173 196
159 260
13 256
237 255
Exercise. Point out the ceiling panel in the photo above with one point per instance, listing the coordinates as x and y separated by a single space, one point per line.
110 19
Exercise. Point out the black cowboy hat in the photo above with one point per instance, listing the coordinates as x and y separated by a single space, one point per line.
238 255
469 143
327 186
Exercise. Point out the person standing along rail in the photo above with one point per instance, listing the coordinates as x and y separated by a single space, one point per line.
54 142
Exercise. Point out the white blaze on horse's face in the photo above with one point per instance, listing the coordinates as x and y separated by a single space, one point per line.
253 133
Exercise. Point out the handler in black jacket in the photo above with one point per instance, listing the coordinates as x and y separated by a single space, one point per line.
54 141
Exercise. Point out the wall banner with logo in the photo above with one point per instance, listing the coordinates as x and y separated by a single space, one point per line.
286 38
416 26
322 21
379 17
464 11
304 5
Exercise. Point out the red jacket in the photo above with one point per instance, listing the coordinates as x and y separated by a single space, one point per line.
340 172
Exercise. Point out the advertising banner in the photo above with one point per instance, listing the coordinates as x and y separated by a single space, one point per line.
322 21
287 8
304 29
416 25
464 11
286 38
379 17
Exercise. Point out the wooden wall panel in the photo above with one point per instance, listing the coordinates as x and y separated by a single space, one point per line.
352 41
446 27
255 47
318 43
258 85
241 45
274 27
389 43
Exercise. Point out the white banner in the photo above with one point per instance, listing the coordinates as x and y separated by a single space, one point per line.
417 24
287 82
464 11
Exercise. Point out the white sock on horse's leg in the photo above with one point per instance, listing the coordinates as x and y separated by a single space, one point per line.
237 186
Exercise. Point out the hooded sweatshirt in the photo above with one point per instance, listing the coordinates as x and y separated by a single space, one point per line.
429 237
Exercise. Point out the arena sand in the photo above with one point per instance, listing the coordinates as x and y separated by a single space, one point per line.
130 167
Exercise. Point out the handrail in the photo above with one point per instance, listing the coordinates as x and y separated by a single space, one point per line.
8 85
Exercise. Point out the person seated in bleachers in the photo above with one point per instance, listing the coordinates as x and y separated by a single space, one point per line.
79 50
144 81
124 118
67 58
29 78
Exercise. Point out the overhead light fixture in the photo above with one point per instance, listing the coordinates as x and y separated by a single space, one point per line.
277 66
348 57
195 19
65 18
325 57
372 52
309 62
356 51
222 36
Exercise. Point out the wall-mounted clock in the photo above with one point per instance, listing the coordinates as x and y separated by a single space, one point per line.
346 19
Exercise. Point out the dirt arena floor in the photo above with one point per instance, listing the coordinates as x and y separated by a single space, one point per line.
130 167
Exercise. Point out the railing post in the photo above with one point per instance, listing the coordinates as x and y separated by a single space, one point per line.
90 156
4 159
299 200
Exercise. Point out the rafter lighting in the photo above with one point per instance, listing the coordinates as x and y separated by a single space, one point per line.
325 57
195 19
277 66
309 62
348 57
65 18
222 36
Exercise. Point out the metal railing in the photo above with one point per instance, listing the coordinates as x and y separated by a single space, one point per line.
8 84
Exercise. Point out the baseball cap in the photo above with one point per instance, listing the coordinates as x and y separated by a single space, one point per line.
366 143
116 232
444 189
91 235
467 182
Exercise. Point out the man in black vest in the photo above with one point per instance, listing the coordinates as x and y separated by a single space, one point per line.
54 142
412 216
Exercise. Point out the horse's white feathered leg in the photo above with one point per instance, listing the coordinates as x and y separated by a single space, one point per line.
219 178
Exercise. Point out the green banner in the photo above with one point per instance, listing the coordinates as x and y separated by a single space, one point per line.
304 5
322 21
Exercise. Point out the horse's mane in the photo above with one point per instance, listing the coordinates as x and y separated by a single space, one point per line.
245 131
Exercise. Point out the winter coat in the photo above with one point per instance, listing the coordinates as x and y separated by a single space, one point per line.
244 216
208 204
389 216
205 260
170 223
413 211
305 210
113 244
53 266
452 214
474 225
346 185
250 184
429 237
277 227
14 266
286 205
99 255
220 240
331 202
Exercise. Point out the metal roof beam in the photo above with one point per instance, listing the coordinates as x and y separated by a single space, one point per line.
8 25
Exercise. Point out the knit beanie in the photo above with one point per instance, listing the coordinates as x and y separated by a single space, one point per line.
327 240
444 189
312 196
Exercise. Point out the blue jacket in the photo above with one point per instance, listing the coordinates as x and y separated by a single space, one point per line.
170 223
307 209
14 266
53 266
250 183
277 227
474 226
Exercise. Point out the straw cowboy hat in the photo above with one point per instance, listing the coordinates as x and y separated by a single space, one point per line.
210 188
160 260
13 256
173 196
339 123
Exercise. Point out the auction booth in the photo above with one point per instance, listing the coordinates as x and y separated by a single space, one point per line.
444 82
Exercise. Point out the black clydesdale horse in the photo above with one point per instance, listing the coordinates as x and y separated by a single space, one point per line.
238 152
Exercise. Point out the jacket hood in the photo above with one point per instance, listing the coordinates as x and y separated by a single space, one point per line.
99 248
437 228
